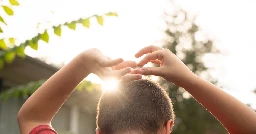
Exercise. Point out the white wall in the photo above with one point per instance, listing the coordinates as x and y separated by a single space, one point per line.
68 119
8 114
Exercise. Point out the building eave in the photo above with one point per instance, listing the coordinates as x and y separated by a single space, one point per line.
22 71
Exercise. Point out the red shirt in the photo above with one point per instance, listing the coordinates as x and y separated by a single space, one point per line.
43 129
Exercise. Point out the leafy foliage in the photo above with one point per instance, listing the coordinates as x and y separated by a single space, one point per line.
8 11
9 50
7 54
23 91
182 39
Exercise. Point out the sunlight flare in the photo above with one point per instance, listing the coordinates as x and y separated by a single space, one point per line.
109 85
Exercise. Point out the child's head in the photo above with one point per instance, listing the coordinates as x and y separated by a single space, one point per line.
139 107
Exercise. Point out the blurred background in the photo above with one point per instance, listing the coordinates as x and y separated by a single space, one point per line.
214 38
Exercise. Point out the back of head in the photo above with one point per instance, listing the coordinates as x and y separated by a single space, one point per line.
140 106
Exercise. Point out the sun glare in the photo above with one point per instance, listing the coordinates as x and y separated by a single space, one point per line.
109 85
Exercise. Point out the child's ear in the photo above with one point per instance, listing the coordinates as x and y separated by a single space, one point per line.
97 130
168 127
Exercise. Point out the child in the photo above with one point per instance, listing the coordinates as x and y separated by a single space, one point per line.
35 115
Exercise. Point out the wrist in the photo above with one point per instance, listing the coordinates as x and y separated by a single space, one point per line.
81 64
189 81
186 80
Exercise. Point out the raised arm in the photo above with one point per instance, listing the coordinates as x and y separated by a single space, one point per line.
236 117
40 108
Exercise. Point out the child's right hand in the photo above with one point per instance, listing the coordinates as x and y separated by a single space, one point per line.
94 61
171 67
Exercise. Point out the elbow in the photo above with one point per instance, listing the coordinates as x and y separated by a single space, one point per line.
20 117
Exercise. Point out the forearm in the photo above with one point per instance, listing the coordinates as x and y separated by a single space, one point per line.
46 101
233 114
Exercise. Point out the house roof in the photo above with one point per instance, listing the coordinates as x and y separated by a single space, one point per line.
22 71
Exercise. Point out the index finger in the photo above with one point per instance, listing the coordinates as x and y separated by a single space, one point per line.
157 55
146 50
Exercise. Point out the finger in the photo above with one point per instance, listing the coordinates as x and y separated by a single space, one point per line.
130 77
125 64
114 67
109 58
157 55
119 73
105 62
146 50
157 62
151 71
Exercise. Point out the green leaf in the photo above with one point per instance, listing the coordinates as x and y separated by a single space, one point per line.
6 95
14 2
2 20
16 93
20 51
72 25
2 44
45 36
112 14
33 45
86 22
9 56
1 63
12 41
1 30
100 20
57 30
8 10
24 92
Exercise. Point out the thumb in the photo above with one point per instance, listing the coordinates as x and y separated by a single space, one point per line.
151 71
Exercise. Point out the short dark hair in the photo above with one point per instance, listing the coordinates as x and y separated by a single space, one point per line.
138 106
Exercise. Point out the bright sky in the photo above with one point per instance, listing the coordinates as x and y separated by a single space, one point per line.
230 23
